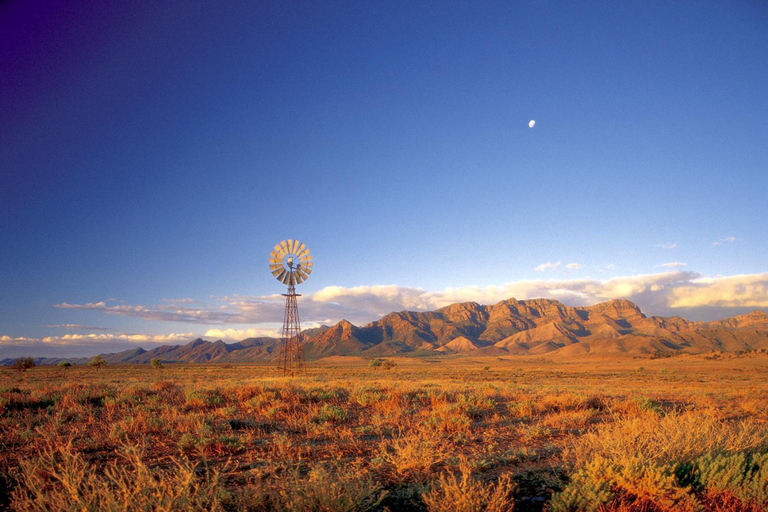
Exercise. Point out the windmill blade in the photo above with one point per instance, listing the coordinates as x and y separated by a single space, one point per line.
306 260
276 260
299 248
299 279
302 274
275 266
303 252
277 271
278 251
284 246
293 246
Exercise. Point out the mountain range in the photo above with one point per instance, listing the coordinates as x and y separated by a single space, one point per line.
510 327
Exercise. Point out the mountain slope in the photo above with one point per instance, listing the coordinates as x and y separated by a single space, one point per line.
510 327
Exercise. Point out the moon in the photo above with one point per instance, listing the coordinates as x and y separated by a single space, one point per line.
531 123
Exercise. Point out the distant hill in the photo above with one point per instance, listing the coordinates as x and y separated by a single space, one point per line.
510 327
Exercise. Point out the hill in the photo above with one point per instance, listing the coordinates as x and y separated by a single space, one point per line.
510 327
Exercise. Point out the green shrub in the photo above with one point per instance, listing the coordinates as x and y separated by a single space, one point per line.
742 475
635 479
331 414
97 362
23 364
649 405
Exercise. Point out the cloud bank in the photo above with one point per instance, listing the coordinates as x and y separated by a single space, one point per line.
658 293
236 317
78 345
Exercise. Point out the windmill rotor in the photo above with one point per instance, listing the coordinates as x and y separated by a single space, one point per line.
290 262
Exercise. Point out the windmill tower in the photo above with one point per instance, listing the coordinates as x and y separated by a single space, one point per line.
291 263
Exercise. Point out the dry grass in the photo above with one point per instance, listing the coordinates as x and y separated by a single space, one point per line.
440 434
465 494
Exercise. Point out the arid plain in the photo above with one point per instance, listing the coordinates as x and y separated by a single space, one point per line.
688 432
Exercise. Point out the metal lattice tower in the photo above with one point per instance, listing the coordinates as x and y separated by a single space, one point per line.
291 350
291 263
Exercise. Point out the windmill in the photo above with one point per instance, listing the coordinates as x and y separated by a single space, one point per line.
291 263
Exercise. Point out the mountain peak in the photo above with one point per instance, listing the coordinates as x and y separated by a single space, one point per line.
344 329
620 307
465 311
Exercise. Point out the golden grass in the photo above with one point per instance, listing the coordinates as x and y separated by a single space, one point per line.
437 434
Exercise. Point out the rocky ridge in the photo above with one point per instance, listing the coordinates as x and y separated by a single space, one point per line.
510 327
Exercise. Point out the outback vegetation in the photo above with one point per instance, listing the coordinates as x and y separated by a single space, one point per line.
461 434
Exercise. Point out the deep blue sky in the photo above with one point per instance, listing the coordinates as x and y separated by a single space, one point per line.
154 151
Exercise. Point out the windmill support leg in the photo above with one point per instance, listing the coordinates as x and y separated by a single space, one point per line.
291 351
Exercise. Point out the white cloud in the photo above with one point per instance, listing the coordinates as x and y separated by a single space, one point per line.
164 313
78 327
750 290
574 266
668 245
547 266
729 240
101 339
240 334
673 264
80 345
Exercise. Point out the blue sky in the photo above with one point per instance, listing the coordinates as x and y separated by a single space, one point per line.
154 154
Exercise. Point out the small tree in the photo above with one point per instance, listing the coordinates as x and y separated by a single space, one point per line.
23 364
388 364
157 363
97 362
64 364
375 363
